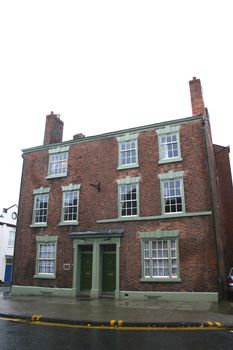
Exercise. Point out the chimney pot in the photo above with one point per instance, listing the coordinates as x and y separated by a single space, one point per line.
78 136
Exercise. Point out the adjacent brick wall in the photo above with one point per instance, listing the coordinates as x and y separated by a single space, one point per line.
224 181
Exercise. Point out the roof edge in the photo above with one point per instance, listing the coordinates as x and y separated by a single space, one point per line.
113 133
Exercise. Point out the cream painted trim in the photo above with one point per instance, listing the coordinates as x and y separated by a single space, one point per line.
158 234
128 180
59 149
170 175
168 129
71 187
127 137
41 190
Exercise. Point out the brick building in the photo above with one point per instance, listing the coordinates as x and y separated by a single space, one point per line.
137 213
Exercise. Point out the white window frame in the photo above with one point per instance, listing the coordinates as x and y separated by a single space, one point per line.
127 149
130 182
150 257
166 132
158 257
169 178
42 192
46 241
70 189
58 162
11 239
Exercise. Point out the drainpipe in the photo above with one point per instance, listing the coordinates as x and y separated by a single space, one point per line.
212 176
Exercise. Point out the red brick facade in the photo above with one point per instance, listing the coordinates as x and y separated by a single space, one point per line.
93 163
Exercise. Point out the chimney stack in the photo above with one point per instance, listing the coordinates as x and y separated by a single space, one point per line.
198 105
53 129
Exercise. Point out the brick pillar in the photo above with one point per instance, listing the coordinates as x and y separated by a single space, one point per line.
198 105
53 129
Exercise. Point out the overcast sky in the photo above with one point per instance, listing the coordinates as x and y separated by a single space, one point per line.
108 65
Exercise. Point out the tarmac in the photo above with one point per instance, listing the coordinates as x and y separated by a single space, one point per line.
116 313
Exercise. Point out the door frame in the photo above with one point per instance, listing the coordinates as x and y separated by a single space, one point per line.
96 242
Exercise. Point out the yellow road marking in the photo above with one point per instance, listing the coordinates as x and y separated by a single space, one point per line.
130 328
213 326
120 323
13 319
112 322
36 317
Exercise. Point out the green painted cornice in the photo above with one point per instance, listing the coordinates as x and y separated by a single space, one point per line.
118 133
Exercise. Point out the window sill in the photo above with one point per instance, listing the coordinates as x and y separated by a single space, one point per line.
128 166
38 225
172 280
55 176
41 276
69 223
172 160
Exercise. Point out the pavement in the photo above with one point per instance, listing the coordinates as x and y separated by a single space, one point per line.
111 312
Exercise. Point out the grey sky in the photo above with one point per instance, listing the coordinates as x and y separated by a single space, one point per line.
108 65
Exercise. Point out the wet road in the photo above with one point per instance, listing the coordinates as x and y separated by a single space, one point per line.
20 336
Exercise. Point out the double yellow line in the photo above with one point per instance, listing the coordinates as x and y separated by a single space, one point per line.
118 325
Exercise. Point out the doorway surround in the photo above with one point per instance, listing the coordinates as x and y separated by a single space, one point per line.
97 239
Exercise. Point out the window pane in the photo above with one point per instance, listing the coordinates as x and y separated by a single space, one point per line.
128 153
172 196
70 206
128 198
160 258
41 208
46 258
11 239
169 146
58 163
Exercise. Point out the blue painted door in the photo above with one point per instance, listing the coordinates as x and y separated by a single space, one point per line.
8 273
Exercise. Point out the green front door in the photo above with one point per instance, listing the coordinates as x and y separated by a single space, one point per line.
109 272
86 270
